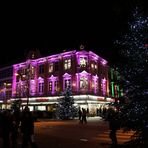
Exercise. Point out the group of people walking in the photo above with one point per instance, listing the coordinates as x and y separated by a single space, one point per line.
82 115
15 124
112 117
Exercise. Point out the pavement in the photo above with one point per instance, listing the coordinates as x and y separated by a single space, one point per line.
72 134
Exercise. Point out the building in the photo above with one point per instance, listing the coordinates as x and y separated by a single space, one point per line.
39 82
116 88
6 74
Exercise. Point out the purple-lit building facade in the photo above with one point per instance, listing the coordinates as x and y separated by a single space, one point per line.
42 80
5 86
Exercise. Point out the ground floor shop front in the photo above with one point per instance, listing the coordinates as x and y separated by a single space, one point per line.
93 104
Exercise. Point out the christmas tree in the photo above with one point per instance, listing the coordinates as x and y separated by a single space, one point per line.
134 50
65 108
16 104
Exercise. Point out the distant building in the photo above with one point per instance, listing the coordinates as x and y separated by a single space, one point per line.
41 81
116 88
6 74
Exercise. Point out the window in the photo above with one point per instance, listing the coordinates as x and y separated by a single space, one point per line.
50 86
32 70
56 66
92 65
41 69
56 86
83 83
67 83
50 67
83 61
41 87
67 64
95 65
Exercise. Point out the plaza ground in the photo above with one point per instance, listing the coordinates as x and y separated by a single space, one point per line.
72 134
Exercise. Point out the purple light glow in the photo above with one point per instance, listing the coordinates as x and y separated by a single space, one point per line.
53 79
95 79
15 69
40 80
104 86
66 76
80 75
41 60
32 87
80 54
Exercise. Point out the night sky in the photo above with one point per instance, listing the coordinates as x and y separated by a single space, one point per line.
53 28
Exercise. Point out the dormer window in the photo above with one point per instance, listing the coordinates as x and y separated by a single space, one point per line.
83 61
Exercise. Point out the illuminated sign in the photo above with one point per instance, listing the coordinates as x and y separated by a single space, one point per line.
100 99
42 100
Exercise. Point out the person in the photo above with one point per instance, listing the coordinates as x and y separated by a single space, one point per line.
15 127
84 120
80 115
113 126
6 125
27 128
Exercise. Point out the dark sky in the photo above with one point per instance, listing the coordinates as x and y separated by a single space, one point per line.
54 27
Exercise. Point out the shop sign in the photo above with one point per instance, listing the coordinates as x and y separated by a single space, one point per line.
100 99
41 100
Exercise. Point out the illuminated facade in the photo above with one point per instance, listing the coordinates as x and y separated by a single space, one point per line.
44 79
116 89
5 86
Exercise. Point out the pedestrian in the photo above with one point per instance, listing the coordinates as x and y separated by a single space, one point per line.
15 128
27 129
84 120
80 115
6 125
113 126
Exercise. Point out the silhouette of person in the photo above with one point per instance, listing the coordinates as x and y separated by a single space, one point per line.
27 128
15 127
113 126
6 128
84 116
80 115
